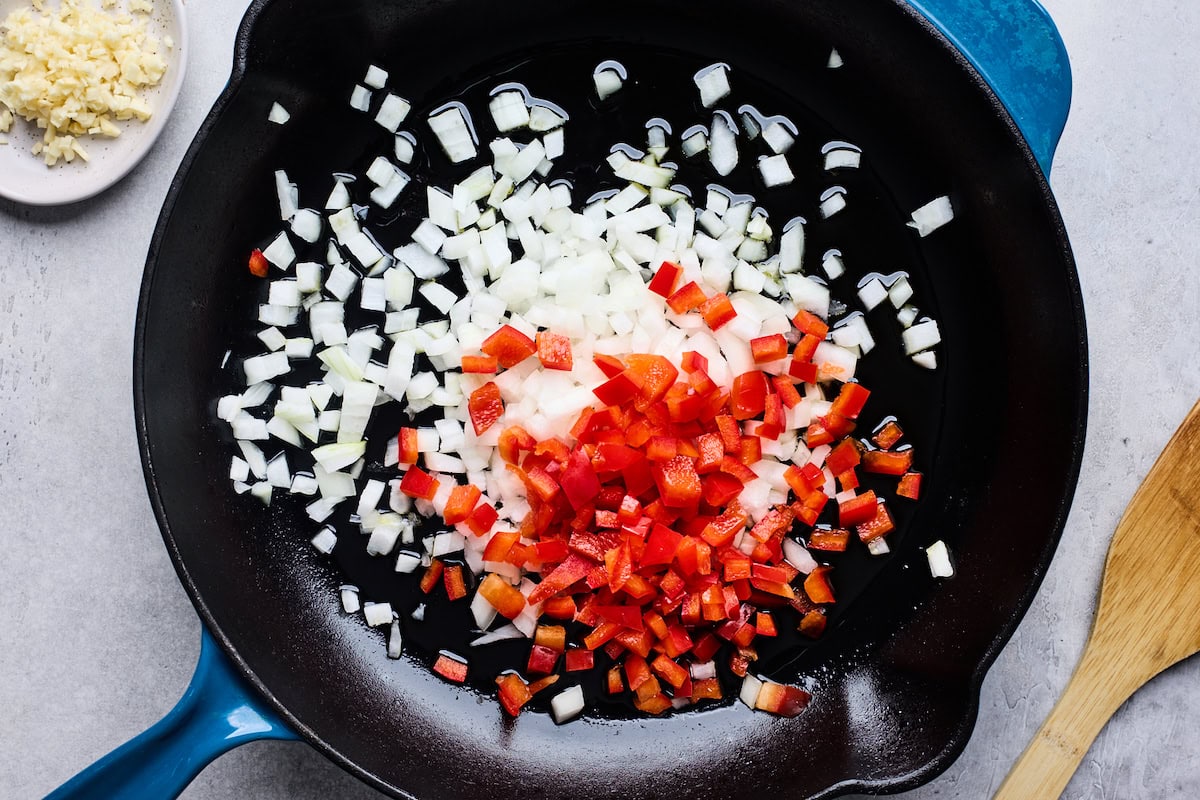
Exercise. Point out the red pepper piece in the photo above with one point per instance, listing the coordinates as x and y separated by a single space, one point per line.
506 599
731 433
768 348
513 693
461 503
817 587
773 524
677 481
580 659
559 608
419 483
812 624
802 370
805 348
848 480
734 467
706 689
485 407
573 568
663 282
451 668
258 264
579 482
722 530
613 682
482 519
887 436
764 624
513 440
711 454
625 616
542 660
857 510
407 439
717 310
782 700
456 587
789 395
617 390
686 298
909 485
879 525
669 671
882 462
843 457
609 365
549 551
483 365
554 351
662 448
850 400
834 540
660 547
654 374
751 452
749 395
499 545
807 322
509 346
691 361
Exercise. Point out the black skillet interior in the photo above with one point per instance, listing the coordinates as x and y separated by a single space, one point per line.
896 680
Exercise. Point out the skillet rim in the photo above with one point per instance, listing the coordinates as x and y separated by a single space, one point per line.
957 737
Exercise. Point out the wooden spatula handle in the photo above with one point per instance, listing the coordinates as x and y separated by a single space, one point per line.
1100 685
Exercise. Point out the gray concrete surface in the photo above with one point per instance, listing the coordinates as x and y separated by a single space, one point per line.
97 639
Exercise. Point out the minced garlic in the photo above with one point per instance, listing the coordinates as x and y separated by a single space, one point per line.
74 70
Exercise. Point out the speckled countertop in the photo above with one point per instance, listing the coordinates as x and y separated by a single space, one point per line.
97 639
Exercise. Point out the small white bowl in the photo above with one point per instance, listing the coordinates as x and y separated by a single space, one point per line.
25 178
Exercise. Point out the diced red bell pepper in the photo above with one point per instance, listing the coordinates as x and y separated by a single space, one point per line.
456 587
506 599
625 616
542 683
579 482
805 348
789 395
857 510
419 483
485 407
816 585
812 624
509 346
843 457
609 365
451 668
407 439
781 699
513 693
887 436
807 322
751 452
669 671
580 659
613 682
542 660
662 448
686 298
677 481
691 361
573 568
561 607
848 480
764 624
258 264
617 390
482 519
711 454
618 564
660 547
722 529
768 348
832 540
717 311
773 524
552 636
483 365
554 351
654 374
513 440
663 282
549 551
461 503
499 545
896 462
734 467
850 400
802 370
879 525
749 395
909 485
706 689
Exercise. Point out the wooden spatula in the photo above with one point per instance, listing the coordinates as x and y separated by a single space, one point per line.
1147 620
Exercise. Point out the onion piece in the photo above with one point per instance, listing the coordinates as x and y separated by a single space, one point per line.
376 77
713 83
360 98
377 614
392 112
453 132
931 216
938 556
325 540
722 145
349 597
921 336
278 114
567 704
499 635
751 686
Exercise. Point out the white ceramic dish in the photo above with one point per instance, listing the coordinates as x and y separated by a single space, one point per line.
25 178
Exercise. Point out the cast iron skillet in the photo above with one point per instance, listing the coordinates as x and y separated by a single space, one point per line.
896 681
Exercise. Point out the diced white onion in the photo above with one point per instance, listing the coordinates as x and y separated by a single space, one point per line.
939 560
931 216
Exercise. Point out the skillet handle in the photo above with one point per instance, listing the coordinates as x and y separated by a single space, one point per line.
218 712
1017 49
